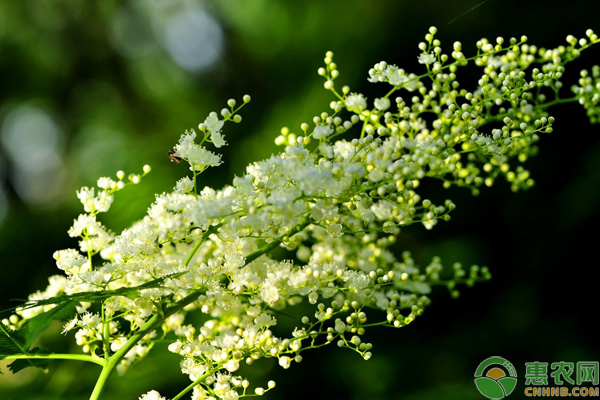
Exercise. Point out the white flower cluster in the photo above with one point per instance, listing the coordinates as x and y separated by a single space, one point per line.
152 395
336 205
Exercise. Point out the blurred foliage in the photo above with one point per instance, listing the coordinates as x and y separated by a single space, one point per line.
91 87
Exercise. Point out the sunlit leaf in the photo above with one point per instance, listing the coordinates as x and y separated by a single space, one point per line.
19 365
38 324
11 341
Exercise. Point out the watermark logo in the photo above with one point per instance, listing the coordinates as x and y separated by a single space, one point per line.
495 378
562 373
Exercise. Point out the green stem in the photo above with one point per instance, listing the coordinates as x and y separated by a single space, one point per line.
205 236
273 245
57 356
105 333
554 102
191 385
148 327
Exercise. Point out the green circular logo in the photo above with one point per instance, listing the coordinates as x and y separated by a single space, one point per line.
495 378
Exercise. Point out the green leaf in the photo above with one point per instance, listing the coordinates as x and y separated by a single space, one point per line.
19 365
95 296
38 324
12 342
19 341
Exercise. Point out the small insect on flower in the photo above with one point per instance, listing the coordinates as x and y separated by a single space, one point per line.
173 157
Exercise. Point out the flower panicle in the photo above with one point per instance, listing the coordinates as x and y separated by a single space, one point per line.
333 201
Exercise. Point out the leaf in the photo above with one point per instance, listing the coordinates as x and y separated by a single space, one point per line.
102 294
12 342
41 363
19 365
15 343
19 341
37 325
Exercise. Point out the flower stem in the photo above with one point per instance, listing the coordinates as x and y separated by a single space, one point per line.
191 385
57 356
205 236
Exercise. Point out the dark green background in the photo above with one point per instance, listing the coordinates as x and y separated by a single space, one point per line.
121 109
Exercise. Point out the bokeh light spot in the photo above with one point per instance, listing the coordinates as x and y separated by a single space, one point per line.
33 143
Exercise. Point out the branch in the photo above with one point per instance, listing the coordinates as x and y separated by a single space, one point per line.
57 356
